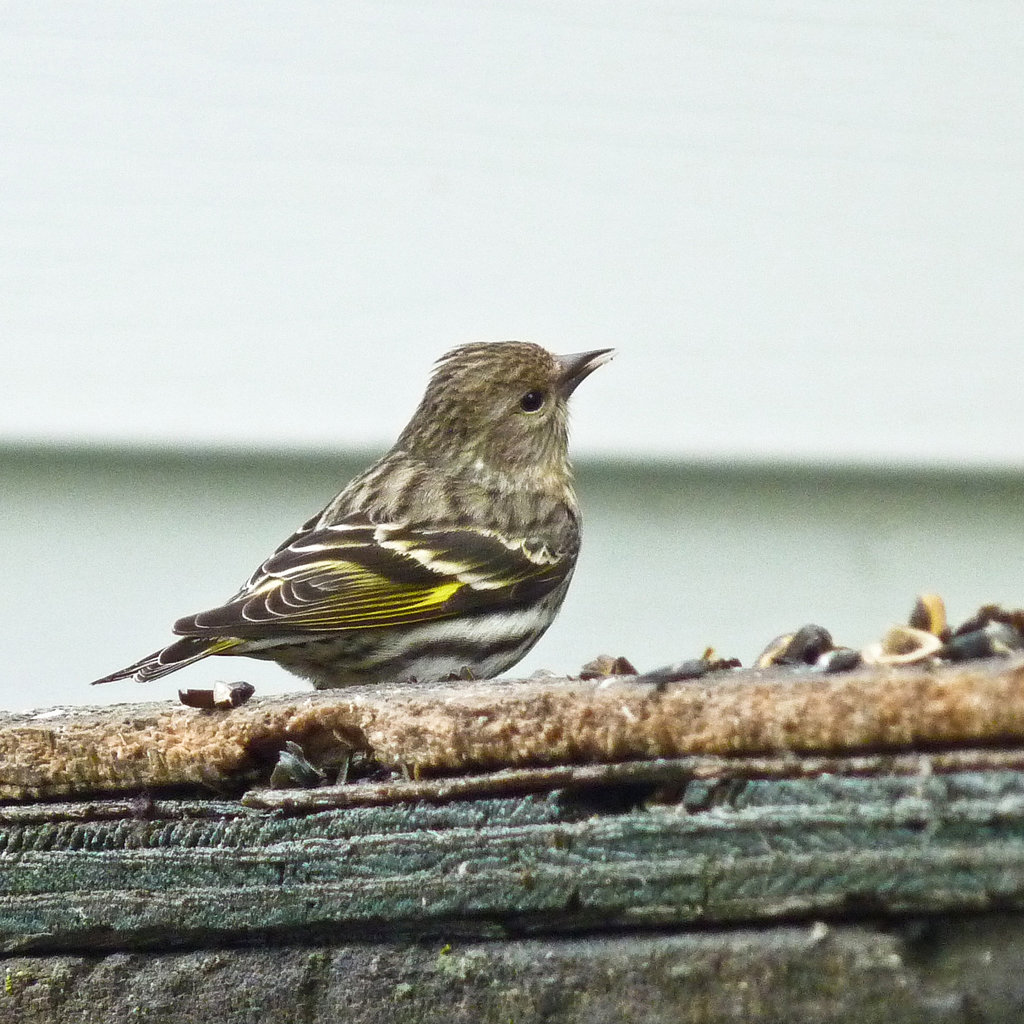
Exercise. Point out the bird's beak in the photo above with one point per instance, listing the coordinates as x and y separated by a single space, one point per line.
574 368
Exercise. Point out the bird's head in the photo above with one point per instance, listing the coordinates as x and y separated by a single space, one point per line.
500 409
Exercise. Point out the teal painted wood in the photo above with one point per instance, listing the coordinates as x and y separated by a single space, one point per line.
180 873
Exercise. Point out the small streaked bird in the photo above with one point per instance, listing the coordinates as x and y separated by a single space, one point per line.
447 558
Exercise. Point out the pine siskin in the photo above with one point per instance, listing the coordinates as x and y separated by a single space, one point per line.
448 557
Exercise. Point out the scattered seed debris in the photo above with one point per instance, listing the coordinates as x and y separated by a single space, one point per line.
692 668
604 665
223 696
926 638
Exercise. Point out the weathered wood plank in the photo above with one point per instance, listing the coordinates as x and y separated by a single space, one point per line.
759 849
787 796
669 772
474 726
944 971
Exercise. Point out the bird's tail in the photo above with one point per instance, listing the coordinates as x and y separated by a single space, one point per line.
179 654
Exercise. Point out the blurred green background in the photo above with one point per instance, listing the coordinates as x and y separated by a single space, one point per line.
105 548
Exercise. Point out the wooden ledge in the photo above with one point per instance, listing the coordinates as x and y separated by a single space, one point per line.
766 833
460 728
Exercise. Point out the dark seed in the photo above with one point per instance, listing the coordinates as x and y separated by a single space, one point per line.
197 699
605 665
232 695
992 613
841 659
929 614
997 639
692 668
293 771
804 647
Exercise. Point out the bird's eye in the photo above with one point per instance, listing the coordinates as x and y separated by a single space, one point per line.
531 401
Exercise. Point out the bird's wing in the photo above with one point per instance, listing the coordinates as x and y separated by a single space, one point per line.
358 574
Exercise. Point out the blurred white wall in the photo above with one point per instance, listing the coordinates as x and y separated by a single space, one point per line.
104 550
258 224
255 226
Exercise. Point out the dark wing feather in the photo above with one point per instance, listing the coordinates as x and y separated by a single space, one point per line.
358 575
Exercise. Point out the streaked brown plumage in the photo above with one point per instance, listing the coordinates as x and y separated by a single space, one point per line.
450 555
